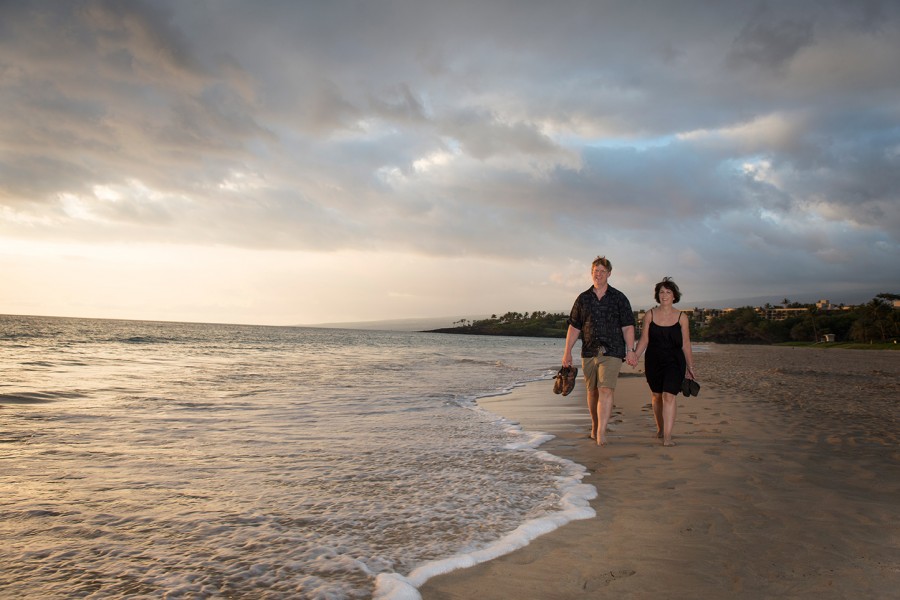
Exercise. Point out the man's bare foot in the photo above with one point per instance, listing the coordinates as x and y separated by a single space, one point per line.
668 443
659 434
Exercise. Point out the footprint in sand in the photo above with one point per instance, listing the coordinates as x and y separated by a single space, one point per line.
671 485
612 576
623 456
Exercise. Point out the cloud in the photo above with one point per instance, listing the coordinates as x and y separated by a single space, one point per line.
768 42
754 145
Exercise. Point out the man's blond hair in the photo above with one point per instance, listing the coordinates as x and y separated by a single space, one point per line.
602 260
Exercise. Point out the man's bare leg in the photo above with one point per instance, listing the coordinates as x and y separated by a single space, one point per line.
657 402
592 397
670 408
604 412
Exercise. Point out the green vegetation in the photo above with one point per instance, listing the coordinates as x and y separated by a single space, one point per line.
872 325
536 324
846 345
876 322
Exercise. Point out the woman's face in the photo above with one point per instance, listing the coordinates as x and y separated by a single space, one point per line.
666 296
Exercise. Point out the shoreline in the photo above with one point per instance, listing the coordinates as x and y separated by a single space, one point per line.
758 499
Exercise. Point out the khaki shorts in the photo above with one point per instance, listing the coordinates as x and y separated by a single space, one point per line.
601 371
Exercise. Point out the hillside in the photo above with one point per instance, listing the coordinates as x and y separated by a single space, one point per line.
536 324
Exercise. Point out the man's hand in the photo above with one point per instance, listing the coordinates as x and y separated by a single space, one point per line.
631 358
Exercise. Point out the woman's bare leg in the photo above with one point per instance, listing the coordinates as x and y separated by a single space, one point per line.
656 401
669 409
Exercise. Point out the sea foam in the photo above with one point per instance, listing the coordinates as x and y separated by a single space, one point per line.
171 459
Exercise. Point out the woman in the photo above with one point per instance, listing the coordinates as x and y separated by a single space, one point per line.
667 339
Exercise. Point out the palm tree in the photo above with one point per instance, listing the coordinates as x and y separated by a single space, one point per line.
876 319
813 310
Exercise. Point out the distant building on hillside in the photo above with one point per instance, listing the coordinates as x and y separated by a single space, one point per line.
827 305
777 313
705 315
780 314
702 316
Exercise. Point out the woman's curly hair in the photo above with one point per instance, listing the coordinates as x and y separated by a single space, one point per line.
669 285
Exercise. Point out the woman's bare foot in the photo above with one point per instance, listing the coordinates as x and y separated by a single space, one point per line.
659 433
601 441
668 443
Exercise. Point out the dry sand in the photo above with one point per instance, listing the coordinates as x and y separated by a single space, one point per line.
785 483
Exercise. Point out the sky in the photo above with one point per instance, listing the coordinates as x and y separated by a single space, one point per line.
301 162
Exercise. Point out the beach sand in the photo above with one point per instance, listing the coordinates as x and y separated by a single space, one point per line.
785 483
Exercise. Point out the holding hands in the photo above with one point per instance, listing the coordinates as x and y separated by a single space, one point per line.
631 358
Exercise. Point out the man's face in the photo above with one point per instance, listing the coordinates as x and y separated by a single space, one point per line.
599 275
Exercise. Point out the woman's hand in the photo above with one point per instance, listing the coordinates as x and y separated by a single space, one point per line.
631 358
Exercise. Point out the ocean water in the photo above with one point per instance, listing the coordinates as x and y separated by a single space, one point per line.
171 460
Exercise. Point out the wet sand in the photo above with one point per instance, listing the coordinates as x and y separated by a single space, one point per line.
785 483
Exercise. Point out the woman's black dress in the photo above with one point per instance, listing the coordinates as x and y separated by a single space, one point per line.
664 364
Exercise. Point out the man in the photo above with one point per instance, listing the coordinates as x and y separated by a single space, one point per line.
602 316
